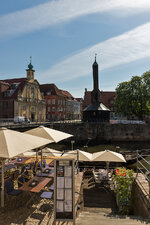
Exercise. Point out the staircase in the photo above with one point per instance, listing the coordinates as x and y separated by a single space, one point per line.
99 207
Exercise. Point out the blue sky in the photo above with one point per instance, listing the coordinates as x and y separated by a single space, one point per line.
62 36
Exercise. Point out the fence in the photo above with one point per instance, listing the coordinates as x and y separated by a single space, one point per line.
143 167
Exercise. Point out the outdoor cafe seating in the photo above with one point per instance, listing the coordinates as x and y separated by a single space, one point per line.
34 187
102 178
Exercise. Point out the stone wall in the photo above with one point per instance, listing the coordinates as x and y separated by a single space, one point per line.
140 203
106 132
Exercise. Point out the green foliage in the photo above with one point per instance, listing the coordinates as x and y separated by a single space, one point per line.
123 180
133 97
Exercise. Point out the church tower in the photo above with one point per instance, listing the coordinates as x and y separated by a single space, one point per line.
30 71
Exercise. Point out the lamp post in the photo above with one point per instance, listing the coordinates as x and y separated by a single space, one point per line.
117 148
86 146
72 142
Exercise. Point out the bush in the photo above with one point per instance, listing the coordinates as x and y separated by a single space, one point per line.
122 180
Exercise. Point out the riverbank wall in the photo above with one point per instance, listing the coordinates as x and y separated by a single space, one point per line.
106 131
140 197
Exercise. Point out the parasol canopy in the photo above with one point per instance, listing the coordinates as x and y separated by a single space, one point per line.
49 133
79 155
13 143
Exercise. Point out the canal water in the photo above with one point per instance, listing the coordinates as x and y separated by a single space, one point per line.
96 148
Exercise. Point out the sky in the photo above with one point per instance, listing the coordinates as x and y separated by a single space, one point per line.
63 36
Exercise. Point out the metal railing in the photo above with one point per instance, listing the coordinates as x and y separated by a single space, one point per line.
143 167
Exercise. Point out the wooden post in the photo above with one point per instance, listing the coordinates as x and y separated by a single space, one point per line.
2 185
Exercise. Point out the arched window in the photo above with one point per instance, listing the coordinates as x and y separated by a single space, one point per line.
32 92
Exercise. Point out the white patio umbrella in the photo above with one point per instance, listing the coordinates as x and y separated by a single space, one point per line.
48 133
51 152
79 155
108 156
13 143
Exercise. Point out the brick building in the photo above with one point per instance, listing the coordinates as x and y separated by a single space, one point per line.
60 104
107 98
55 102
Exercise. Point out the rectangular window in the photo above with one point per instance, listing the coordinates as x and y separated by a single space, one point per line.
5 105
53 101
24 107
48 109
49 102
53 109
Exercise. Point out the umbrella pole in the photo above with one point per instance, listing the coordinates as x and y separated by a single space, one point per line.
107 166
77 161
2 186
41 160
36 155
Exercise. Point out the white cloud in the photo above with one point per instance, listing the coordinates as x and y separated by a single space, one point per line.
54 12
128 47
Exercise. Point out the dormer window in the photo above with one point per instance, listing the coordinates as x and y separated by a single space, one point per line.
48 93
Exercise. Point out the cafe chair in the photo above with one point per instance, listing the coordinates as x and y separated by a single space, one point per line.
26 176
51 187
9 187
47 195
20 181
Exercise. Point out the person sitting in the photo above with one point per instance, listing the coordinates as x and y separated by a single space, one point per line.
34 169
44 163
26 176
9 187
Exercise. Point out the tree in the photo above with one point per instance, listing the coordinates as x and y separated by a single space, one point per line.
133 97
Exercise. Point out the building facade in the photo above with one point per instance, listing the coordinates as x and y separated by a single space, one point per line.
55 102
22 97
60 104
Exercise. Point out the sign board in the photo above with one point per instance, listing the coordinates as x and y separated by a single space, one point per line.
64 190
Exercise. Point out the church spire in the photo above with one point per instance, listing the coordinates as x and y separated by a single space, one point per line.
30 66
95 95
30 71
95 56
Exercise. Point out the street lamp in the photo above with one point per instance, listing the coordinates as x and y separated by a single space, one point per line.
117 148
86 146
72 142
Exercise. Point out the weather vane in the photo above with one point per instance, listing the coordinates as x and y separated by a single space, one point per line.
95 56
30 59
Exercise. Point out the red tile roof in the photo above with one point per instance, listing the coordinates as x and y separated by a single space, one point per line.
21 83
50 88
66 94
107 98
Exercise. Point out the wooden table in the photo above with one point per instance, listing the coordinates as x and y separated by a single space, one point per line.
45 174
21 162
33 191
42 182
